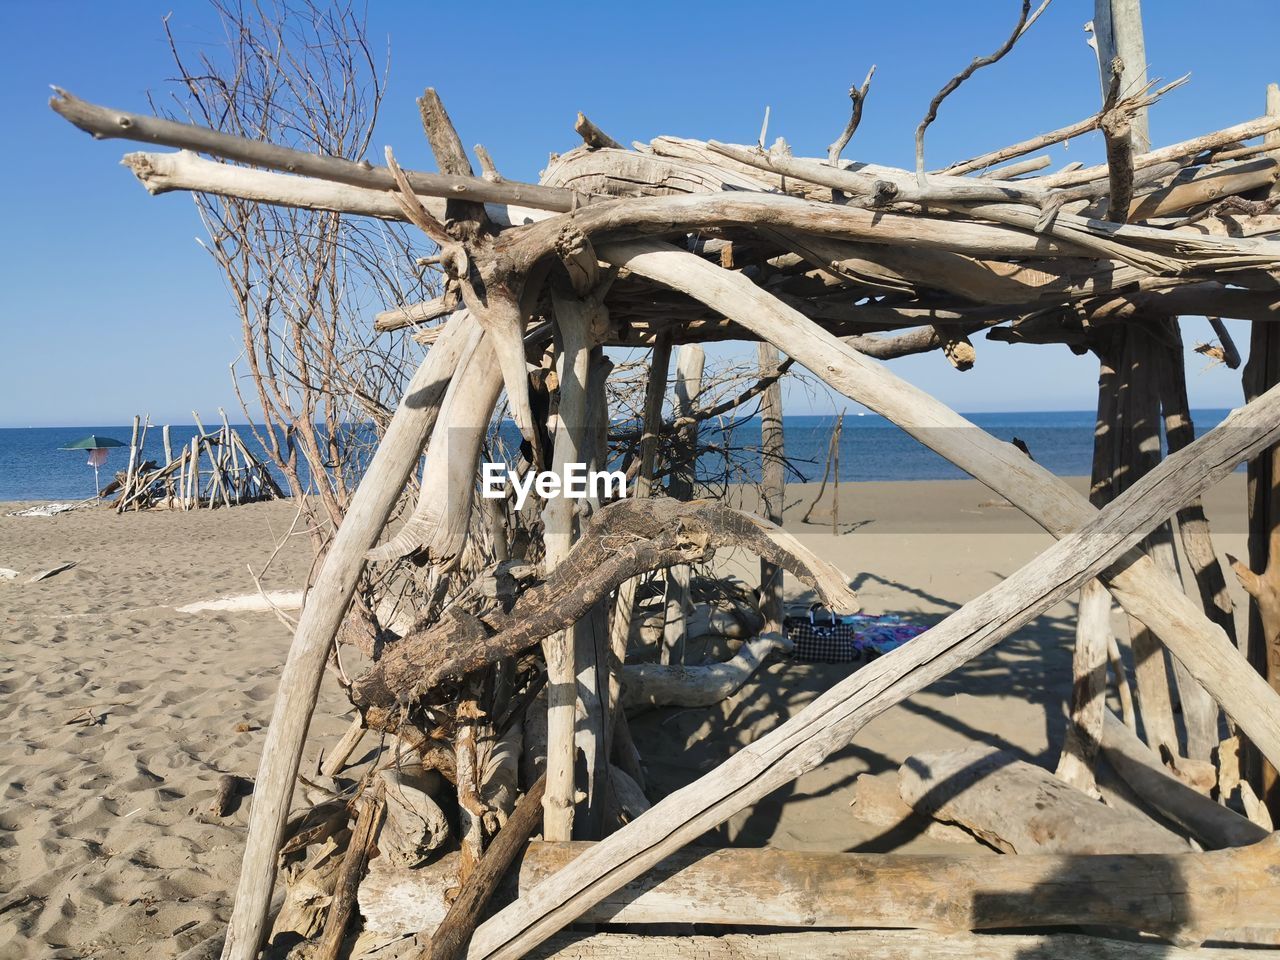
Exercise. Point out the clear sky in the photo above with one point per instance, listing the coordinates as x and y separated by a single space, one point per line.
109 307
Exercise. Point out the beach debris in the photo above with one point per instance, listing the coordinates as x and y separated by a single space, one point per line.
53 571
7 574
247 603
94 714
229 788
49 509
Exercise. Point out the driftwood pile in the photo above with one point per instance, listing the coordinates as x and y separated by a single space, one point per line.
233 476
499 703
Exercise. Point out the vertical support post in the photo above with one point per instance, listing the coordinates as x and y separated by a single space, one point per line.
1118 28
133 460
690 360
592 737
573 367
1262 577
1200 714
326 605
772 482
195 472
1094 636
168 459
650 439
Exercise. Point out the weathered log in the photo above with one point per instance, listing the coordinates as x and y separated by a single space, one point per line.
773 479
1088 688
828 722
655 533
326 605
395 900
677 685
690 360
1018 807
880 944
1137 435
1210 823
413 825
876 802
651 426
1188 896
337 758
1200 715
440 520
104 123
229 787
349 875
573 323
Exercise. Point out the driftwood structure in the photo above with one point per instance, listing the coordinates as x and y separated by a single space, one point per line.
233 474
513 677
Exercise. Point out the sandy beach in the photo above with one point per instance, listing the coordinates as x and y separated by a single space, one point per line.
121 712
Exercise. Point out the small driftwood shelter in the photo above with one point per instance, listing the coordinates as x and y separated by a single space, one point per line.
834 265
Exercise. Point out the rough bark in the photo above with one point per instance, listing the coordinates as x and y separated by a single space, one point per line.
626 538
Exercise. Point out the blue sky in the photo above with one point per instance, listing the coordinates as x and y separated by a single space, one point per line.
110 308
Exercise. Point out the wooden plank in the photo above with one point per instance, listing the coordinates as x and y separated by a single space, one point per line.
877 944
1185 894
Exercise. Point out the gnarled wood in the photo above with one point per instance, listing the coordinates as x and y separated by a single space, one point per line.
622 540
326 605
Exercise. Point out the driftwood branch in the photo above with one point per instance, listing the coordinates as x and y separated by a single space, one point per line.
1025 20
858 95
623 540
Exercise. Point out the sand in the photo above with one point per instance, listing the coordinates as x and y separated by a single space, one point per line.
107 846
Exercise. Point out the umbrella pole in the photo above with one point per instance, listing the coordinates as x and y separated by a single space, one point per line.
97 485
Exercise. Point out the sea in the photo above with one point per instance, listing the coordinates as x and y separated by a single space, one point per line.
33 467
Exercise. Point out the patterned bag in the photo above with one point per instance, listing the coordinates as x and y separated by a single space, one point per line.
819 641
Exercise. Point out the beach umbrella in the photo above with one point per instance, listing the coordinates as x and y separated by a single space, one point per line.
97 447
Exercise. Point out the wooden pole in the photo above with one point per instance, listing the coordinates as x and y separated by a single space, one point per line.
559 529
168 459
650 440
1262 576
773 481
1094 634
1118 29
690 360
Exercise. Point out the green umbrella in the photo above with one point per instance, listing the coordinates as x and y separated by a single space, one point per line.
94 443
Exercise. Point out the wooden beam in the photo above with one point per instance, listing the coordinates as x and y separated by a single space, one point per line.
880 944
106 123
773 482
